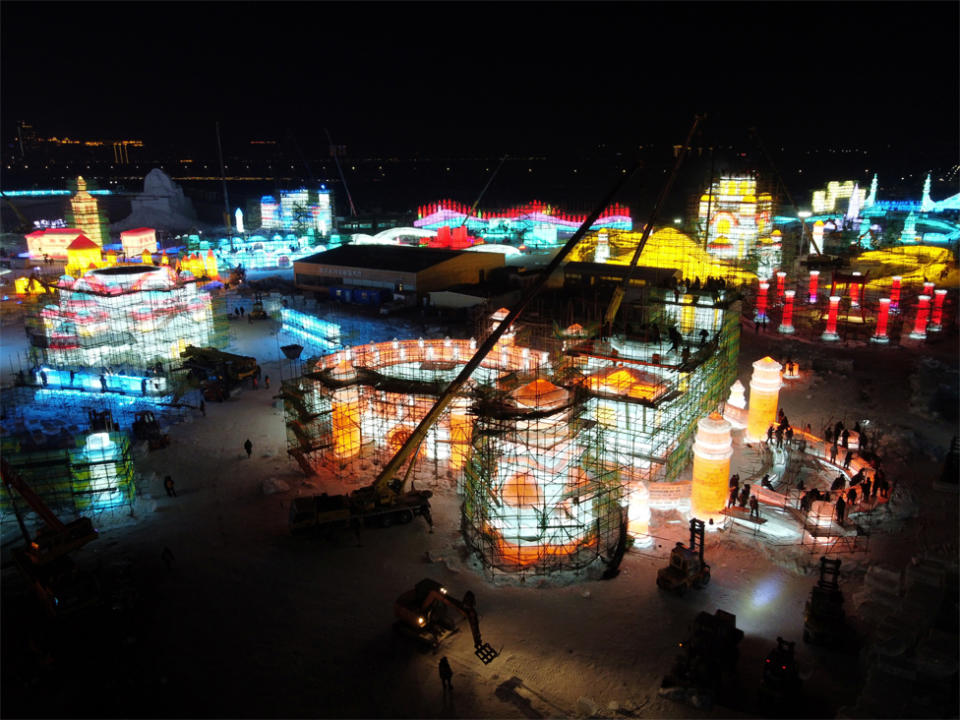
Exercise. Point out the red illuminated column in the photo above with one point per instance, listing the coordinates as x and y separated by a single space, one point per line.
814 279
855 292
831 332
762 300
880 334
895 293
936 319
928 288
781 280
786 323
920 325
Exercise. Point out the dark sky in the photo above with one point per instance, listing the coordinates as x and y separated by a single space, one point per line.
471 79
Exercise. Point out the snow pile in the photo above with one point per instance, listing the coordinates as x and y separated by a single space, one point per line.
162 205
274 485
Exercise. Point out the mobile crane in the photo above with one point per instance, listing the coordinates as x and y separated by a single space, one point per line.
422 612
386 496
44 561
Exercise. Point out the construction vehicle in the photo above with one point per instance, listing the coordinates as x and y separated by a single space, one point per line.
257 312
781 685
706 666
44 561
218 372
424 613
146 427
101 420
687 567
330 512
823 617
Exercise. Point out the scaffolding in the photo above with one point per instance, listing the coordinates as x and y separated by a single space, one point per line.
129 316
93 475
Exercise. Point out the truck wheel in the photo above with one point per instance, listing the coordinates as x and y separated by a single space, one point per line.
405 516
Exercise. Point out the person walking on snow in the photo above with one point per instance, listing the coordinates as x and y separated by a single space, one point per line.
754 507
248 446
446 674
169 487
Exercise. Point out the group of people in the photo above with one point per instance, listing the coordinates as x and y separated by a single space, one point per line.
741 496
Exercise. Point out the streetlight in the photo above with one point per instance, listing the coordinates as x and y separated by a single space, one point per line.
803 215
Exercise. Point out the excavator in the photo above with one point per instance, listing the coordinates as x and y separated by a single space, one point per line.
44 561
423 613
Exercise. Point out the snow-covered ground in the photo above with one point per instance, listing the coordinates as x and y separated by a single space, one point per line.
251 622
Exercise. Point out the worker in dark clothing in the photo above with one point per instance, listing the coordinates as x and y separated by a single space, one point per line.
703 337
847 458
73 374
685 354
103 383
841 509
839 483
779 434
143 386
837 428
845 438
770 434
744 494
203 407
788 434
248 446
43 378
168 486
734 494
833 453
852 496
735 480
765 482
266 381
866 488
446 674
754 507
241 311
857 478
828 436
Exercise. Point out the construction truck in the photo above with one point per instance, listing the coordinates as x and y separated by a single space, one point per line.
146 427
823 617
101 420
425 614
687 567
707 663
781 686
44 562
218 372
325 513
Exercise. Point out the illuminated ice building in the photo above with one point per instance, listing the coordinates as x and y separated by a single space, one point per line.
125 315
536 224
559 438
736 215
308 212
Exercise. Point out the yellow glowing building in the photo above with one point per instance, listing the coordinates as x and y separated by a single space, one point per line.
736 216
82 254
825 201
86 214
665 248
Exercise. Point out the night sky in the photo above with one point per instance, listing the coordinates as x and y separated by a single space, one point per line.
463 79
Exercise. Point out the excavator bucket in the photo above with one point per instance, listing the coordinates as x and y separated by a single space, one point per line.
486 653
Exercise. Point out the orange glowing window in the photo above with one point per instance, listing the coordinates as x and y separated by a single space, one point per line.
522 490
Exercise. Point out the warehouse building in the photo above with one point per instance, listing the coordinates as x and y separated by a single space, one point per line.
373 273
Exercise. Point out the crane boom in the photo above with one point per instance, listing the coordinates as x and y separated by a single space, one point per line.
621 289
446 397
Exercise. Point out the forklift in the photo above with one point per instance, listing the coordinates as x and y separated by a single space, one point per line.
781 685
687 567
257 312
146 427
823 618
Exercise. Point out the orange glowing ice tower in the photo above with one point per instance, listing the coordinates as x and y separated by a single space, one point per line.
460 432
345 415
762 300
712 450
895 293
638 514
920 324
936 319
880 333
812 292
831 332
786 323
764 395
